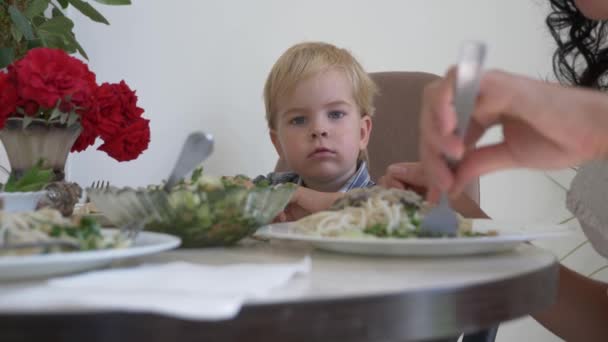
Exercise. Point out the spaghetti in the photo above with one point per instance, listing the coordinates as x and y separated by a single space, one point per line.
47 225
375 212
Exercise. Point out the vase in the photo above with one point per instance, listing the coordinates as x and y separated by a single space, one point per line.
40 140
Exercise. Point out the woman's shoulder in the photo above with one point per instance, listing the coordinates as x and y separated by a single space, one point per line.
588 201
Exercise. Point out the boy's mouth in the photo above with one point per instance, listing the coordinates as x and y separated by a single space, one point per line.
321 152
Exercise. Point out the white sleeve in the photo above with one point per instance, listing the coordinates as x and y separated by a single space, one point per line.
588 201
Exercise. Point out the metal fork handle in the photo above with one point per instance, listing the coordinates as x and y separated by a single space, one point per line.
196 148
443 199
472 55
466 87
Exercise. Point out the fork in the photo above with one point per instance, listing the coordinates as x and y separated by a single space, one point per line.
129 229
100 184
442 220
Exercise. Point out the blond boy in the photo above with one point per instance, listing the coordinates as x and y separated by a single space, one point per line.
319 104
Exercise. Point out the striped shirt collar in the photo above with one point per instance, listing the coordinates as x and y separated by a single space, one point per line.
360 179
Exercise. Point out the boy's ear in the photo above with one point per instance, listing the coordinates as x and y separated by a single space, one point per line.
366 130
274 137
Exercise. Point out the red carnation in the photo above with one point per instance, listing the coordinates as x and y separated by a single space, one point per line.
30 108
8 98
128 143
88 135
46 76
116 108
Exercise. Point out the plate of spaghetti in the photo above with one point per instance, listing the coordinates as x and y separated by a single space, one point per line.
381 221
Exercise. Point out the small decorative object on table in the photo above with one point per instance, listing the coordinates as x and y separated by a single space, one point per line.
34 189
61 196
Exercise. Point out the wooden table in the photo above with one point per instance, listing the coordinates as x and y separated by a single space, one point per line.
344 298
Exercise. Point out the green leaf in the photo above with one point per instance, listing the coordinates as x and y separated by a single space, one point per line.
72 41
39 20
36 7
114 2
196 174
63 118
27 120
59 25
31 44
72 118
21 22
57 33
33 179
17 35
55 41
89 11
57 12
64 3
7 55
55 114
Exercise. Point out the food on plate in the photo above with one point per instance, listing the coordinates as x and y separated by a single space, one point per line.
46 225
376 212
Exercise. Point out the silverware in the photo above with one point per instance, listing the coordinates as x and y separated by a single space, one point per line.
197 147
100 184
442 220
97 185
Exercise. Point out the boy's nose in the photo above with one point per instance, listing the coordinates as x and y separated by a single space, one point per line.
319 133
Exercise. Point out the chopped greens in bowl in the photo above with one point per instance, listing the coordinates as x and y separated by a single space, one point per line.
203 211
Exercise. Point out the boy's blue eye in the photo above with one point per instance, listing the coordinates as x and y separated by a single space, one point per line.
298 120
336 114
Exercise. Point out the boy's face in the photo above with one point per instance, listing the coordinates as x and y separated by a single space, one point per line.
319 129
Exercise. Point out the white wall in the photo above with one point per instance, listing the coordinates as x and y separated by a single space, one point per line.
201 65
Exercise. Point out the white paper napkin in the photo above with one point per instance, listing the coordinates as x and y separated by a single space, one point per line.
180 289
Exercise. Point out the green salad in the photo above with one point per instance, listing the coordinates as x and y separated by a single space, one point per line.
213 211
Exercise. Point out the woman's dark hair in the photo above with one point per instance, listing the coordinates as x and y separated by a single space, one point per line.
581 57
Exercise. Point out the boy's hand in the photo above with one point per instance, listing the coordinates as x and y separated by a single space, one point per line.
407 176
306 201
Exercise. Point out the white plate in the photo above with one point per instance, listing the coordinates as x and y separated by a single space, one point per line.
34 266
510 235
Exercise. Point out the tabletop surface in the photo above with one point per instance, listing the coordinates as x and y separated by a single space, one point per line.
335 275
344 296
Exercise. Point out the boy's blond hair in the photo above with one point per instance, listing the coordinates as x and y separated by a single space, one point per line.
308 59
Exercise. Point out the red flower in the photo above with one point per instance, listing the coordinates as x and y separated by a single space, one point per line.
128 143
117 108
30 107
87 137
8 98
46 76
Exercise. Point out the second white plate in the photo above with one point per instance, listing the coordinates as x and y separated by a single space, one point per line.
510 235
